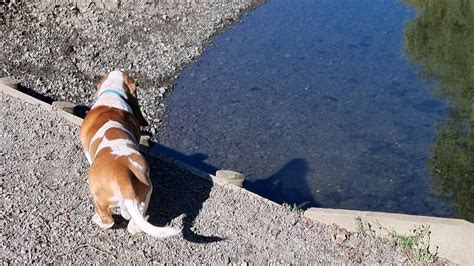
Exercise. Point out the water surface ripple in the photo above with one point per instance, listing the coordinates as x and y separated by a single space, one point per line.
318 102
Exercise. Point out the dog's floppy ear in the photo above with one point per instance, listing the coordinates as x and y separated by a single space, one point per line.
100 81
136 111
132 89
129 83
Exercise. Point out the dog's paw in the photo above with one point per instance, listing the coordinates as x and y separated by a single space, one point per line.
133 229
96 219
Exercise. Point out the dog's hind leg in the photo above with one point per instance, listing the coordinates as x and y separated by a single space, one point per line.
103 217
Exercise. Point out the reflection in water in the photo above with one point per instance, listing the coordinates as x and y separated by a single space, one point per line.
441 38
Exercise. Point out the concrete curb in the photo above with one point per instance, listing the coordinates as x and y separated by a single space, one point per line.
454 237
9 86
212 178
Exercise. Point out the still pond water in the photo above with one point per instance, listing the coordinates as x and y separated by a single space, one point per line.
363 105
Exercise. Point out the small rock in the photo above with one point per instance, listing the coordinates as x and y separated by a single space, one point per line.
162 91
231 177
339 238
145 140
65 106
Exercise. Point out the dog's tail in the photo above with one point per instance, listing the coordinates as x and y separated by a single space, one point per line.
140 221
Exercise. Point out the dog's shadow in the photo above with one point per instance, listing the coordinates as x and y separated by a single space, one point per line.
177 192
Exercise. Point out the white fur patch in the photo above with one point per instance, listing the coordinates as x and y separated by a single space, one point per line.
112 100
125 214
114 80
135 164
116 198
88 156
120 147
139 223
133 229
108 125
101 132
96 219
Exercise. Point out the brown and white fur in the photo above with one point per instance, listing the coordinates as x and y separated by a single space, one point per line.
119 173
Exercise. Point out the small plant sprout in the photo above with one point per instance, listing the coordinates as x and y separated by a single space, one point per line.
417 243
294 207
364 228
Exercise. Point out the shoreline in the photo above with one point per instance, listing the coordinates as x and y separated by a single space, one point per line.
60 50
47 210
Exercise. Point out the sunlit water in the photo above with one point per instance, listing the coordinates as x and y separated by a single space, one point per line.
318 102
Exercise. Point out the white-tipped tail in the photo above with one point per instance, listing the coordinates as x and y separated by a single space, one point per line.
140 221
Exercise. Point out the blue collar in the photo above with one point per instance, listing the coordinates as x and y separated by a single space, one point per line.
116 91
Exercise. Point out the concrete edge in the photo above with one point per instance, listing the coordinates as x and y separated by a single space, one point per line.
211 178
9 85
453 237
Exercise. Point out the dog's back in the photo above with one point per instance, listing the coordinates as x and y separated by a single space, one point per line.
119 173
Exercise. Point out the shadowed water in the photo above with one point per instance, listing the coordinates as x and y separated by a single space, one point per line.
316 101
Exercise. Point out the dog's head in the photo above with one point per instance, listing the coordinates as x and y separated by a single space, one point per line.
121 79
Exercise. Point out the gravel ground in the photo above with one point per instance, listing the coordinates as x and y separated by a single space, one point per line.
46 210
60 50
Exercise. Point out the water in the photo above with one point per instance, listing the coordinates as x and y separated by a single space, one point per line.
336 104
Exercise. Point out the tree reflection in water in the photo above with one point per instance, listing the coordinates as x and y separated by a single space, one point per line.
441 39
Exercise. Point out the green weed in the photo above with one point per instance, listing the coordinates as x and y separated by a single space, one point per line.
298 208
416 243
364 228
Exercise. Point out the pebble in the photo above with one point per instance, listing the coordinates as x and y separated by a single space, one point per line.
162 90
